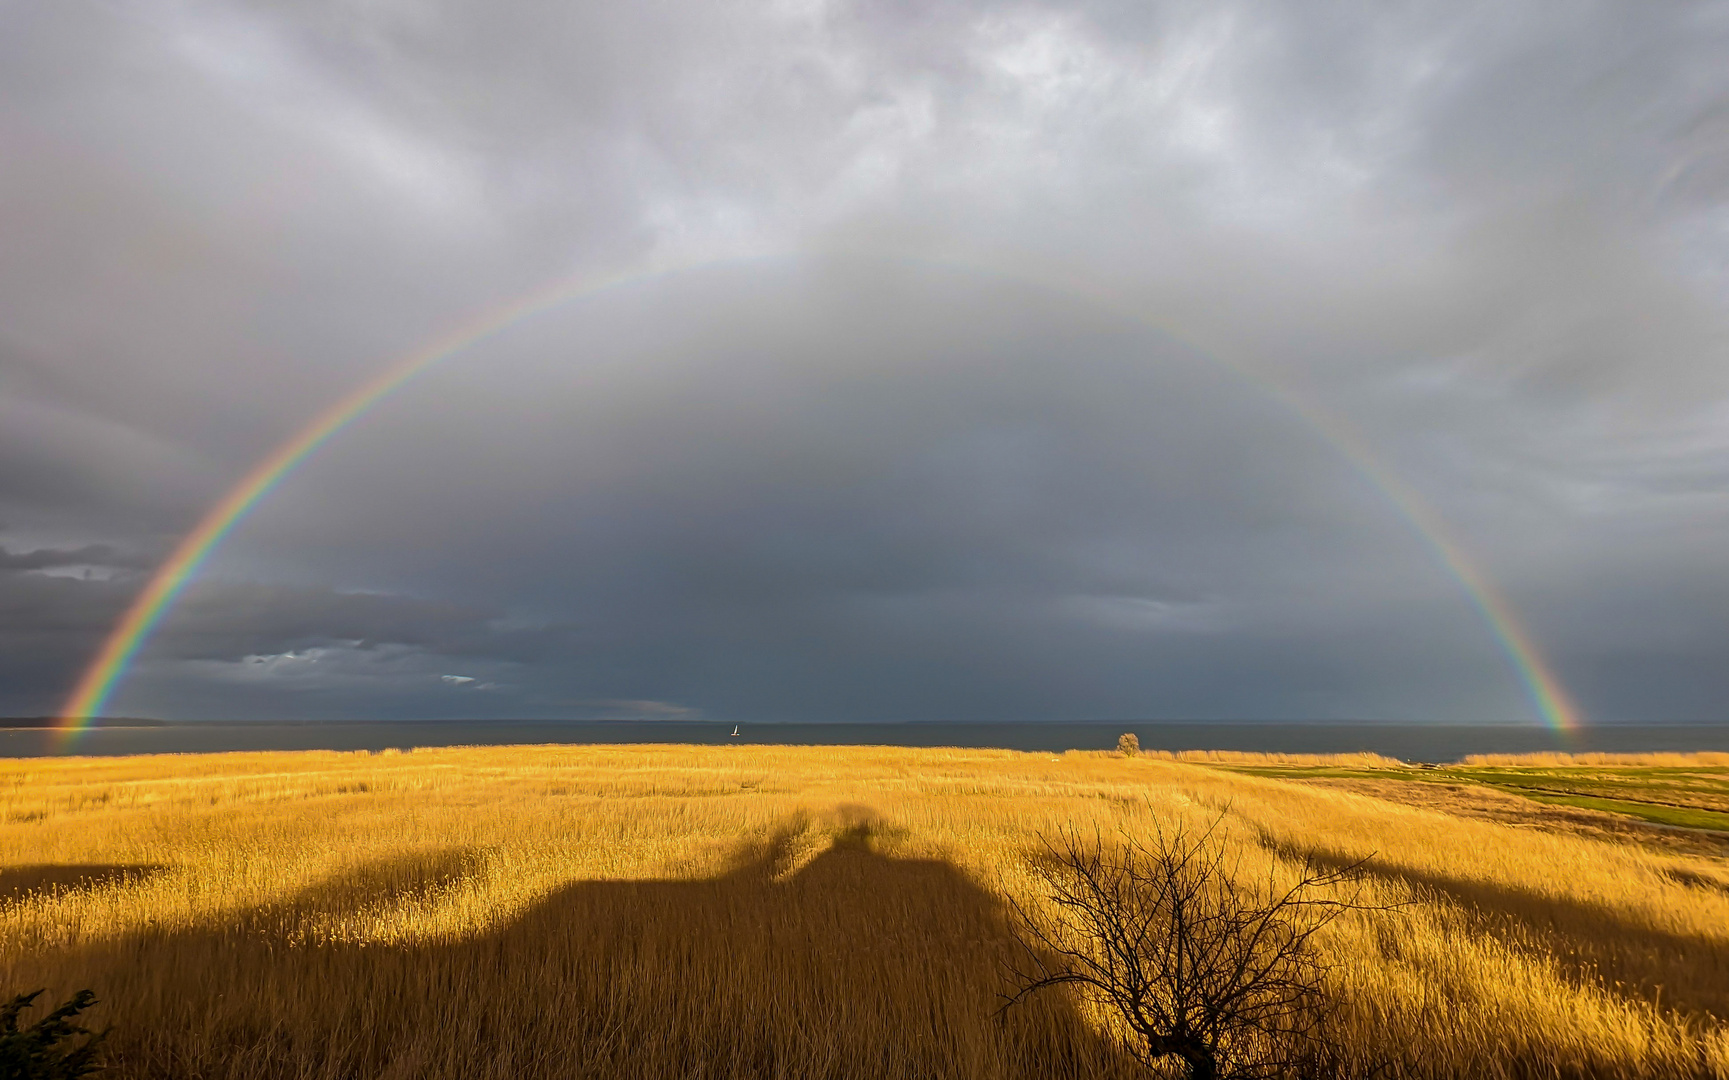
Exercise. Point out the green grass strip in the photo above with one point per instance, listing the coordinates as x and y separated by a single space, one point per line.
1526 784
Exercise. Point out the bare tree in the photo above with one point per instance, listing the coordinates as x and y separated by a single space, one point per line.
1208 968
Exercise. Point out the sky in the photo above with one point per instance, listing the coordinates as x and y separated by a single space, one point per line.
960 361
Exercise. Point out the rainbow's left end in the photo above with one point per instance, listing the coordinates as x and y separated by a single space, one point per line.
81 709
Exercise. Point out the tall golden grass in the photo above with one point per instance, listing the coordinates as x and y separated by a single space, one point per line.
676 911
1361 760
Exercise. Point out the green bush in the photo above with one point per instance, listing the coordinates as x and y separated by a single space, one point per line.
46 1050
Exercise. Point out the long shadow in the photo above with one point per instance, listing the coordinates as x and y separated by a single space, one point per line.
415 876
855 964
1590 943
17 882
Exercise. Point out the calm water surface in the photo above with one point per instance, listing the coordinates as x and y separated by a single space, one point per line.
1411 742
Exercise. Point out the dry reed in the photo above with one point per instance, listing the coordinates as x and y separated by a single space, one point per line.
662 911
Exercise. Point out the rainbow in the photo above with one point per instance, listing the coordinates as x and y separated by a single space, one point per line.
104 672
1548 697
110 664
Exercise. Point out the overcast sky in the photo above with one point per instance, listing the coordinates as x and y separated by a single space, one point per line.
953 374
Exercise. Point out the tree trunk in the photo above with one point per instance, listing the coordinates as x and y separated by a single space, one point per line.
1202 1065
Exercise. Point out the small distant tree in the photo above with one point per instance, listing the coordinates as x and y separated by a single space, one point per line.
48 1049
1128 744
1207 968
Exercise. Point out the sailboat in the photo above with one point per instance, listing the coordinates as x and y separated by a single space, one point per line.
735 729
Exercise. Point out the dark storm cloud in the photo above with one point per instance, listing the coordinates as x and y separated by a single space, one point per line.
1489 238
90 555
49 625
230 621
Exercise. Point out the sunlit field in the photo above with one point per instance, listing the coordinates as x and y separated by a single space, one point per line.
655 911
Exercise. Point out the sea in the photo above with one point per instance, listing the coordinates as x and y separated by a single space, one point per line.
1409 742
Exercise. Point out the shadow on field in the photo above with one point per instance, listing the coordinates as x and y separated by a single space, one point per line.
1589 943
853 964
415 877
19 881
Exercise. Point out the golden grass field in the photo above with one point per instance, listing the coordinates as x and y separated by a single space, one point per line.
731 911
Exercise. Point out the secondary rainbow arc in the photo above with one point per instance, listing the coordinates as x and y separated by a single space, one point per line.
108 667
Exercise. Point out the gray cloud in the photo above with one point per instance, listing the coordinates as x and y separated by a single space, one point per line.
90 556
929 460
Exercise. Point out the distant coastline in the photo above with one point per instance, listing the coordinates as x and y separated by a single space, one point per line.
1430 742
100 721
